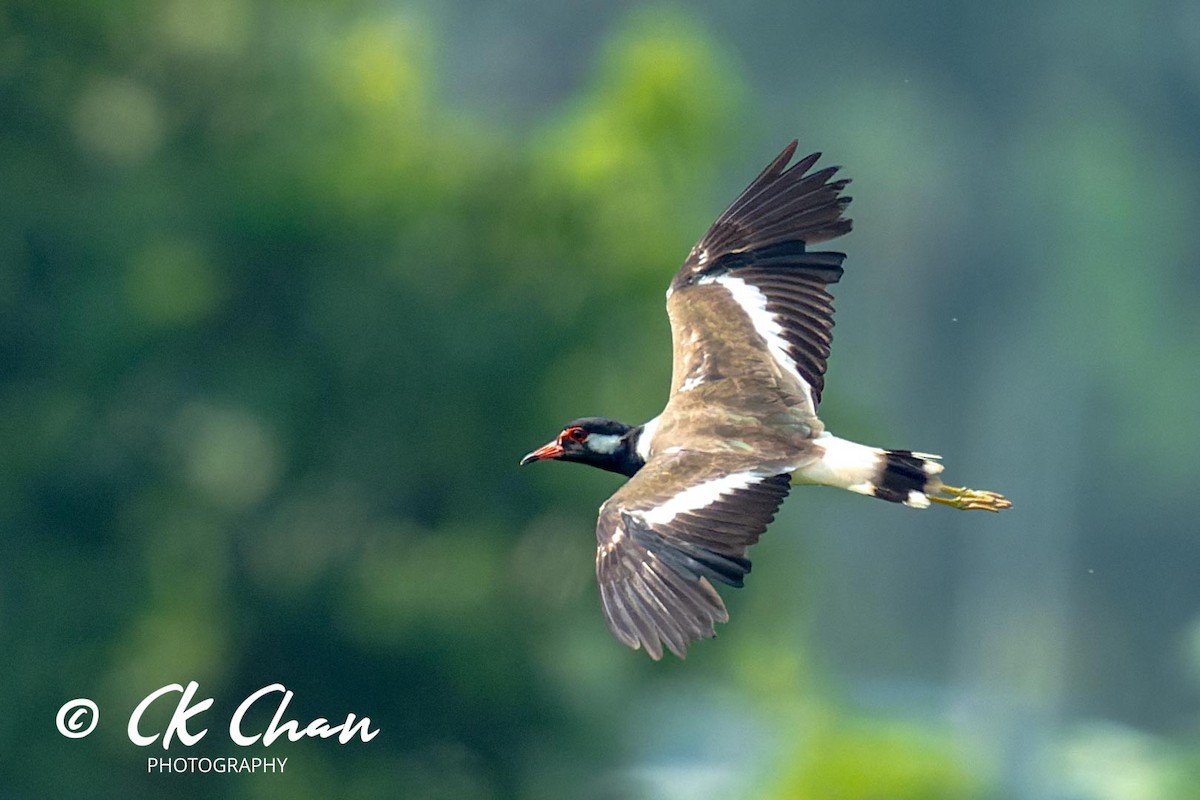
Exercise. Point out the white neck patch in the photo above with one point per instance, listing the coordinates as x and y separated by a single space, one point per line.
643 442
605 443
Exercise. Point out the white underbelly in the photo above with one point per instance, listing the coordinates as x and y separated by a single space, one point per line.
842 463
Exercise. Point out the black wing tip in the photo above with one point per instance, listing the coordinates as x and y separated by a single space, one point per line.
656 583
777 166
642 617
783 203
656 651
667 602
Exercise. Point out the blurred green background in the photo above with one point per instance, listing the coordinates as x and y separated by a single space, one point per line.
287 289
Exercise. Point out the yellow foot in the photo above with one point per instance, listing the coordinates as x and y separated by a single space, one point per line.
972 499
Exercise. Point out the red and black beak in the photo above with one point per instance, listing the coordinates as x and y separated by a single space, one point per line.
552 449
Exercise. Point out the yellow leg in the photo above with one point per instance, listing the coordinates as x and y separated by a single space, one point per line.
971 499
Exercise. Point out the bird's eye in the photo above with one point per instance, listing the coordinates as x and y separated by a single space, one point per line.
576 434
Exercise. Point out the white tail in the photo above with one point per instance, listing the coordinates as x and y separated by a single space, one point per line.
898 476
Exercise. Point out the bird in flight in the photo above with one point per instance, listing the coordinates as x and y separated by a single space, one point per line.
751 321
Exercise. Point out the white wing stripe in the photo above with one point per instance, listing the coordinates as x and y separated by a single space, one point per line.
699 496
754 303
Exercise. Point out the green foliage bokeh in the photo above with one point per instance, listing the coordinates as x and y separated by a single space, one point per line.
277 319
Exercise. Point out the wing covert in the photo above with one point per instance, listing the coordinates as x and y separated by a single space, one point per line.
661 545
755 256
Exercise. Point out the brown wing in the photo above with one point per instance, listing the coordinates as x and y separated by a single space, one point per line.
684 521
751 276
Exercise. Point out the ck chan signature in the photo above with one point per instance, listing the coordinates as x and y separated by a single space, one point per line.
77 718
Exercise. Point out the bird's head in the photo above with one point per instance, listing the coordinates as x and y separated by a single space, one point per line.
598 441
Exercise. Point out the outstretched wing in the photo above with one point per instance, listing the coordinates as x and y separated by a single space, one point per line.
751 281
684 521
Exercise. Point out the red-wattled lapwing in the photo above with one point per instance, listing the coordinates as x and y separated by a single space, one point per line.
751 321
